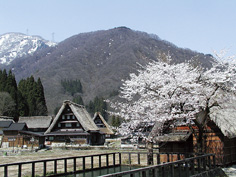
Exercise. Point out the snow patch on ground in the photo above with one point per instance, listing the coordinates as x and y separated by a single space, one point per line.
230 171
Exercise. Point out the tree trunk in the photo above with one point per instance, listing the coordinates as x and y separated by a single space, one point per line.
150 153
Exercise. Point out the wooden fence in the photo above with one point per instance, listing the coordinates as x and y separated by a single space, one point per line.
165 164
60 166
181 168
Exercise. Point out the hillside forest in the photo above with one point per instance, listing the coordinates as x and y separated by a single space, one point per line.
27 97
23 99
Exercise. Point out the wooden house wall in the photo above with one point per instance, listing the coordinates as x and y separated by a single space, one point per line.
21 140
218 144
186 146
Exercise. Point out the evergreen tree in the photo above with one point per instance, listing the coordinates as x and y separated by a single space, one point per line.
23 109
98 105
78 99
7 105
40 99
72 86
3 80
33 94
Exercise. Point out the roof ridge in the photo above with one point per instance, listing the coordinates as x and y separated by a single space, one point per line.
70 102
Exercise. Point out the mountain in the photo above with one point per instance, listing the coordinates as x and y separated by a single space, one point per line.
100 60
15 45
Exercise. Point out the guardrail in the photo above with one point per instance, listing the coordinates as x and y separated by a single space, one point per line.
69 165
167 164
181 168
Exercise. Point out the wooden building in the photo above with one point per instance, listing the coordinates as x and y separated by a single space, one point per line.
103 125
171 140
73 124
17 135
4 123
220 136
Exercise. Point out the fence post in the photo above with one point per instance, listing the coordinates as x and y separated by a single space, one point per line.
204 163
99 161
163 171
168 157
119 158
65 165
5 171
143 173
83 163
74 165
178 155
214 161
158 159
44 168
172 173
198 165
129 158
91 162
153 172
107 160
138 158
187 168
179 169
33 168
192 166
19 170
55 166
114 159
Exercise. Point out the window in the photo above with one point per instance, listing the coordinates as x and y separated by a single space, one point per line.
63 117
68 117
68 125
73 117
50 138
11 139
59 125
77 124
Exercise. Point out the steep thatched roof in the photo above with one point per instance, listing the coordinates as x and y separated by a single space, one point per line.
173 137
225 118
81 115
107 129
36 121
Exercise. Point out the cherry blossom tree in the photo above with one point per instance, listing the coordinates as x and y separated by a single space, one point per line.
162 91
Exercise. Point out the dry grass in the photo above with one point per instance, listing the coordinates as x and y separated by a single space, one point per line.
49 154
60 153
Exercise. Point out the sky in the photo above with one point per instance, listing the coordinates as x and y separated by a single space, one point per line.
204 25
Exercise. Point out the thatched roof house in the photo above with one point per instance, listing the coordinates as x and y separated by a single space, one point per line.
18 135
220 134
171 140
102 124
36 123
73 123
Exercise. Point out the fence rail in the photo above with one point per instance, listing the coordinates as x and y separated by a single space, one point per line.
69 165
182 168
164 164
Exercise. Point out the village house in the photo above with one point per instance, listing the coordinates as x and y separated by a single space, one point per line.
4 123
73 124
220 136
27 132
17 135
171 139
103 125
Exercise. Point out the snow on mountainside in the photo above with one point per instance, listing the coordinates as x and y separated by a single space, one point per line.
15 45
